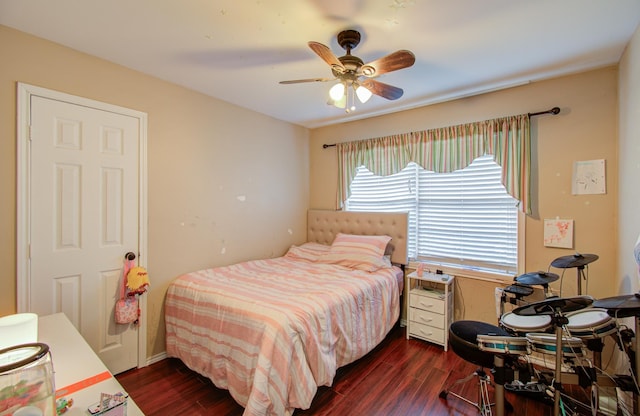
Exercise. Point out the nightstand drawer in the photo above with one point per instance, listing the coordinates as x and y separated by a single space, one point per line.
427 318
426 303
427 332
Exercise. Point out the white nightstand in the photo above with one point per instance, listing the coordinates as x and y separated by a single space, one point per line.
430 307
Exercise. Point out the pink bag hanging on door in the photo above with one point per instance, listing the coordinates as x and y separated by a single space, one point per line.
127 310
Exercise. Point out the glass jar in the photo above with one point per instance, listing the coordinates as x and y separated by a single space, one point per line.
27 384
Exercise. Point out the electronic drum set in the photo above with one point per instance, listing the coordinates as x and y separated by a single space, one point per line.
564 328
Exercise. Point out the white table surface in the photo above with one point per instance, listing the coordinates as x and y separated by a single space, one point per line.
74 361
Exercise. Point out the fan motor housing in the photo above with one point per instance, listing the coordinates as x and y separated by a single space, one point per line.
348 39
351 63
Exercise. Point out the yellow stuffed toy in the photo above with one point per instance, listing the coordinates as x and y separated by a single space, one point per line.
137 281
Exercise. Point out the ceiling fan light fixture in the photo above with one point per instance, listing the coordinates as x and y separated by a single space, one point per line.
363 93
337 92
349 70
341 103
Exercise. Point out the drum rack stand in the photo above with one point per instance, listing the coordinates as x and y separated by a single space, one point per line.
484 404
590 376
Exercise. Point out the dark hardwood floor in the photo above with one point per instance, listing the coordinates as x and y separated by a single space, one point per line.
400 377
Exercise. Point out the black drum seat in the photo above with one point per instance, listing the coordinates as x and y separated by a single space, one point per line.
463 341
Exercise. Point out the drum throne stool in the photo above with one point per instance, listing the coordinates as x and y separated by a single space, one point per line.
463 341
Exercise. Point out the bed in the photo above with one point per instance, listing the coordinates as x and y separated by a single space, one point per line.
272 331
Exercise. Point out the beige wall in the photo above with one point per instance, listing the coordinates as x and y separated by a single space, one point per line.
202 155
585 129
629 203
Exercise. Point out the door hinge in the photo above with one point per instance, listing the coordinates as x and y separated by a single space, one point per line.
30 132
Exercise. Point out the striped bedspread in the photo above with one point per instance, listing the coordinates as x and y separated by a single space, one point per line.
272 331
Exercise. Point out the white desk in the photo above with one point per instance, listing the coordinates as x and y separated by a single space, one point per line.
77 367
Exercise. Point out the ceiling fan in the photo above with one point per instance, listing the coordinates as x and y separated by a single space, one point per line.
351 71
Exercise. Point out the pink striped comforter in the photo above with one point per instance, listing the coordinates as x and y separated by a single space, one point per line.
272 331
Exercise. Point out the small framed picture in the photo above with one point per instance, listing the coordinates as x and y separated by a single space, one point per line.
589 177
558 233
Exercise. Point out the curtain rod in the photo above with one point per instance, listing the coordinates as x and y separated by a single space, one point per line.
554 111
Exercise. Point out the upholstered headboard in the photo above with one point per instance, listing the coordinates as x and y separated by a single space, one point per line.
324 225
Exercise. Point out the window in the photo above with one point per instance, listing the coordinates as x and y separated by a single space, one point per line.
462 219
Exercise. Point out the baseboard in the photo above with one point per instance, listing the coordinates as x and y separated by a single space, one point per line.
156 358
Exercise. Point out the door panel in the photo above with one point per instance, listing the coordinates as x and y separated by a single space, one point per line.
84 188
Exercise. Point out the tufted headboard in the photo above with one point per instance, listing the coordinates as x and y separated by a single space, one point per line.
324 225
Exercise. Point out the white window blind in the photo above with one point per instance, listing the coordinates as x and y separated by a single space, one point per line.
463 218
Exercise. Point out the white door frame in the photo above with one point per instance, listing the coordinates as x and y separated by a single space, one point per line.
23 159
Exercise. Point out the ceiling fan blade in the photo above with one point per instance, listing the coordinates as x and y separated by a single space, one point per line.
325 53
383 90
392 62
298 81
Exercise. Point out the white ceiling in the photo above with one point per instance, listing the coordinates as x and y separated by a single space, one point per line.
238 50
